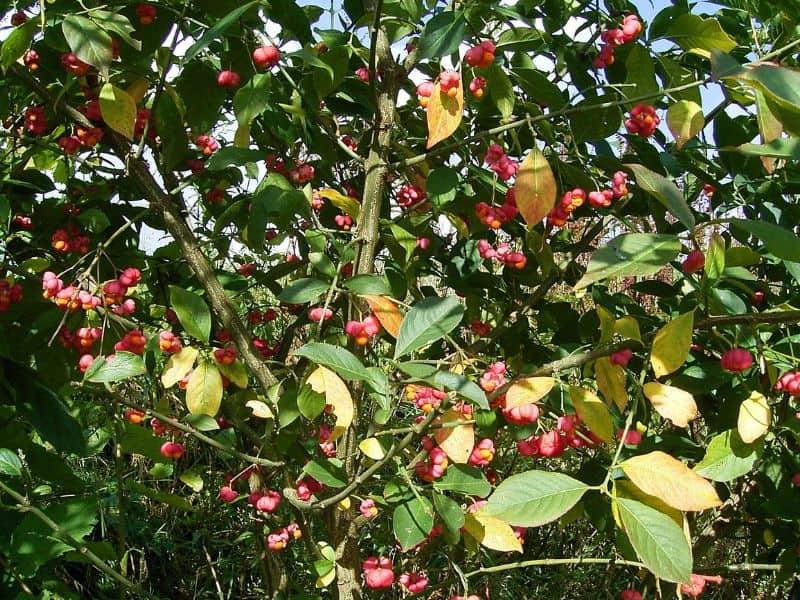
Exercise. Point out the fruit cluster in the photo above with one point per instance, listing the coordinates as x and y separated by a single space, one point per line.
643 120
500 163
9 293
503 254
630 30
425 398
496 217
410 195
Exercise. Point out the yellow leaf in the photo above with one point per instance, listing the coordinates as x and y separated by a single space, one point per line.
769 127
138 89
535 189
344 504
611 381
457 442
628 327
444 114
668 479
672 344
235 372
178 366
324 381
606 324
672 403
593 412
685 120
387 312
260 409
344 203
204 390
754 418
241 137
528 391
492 532
372 448
327 579
118 109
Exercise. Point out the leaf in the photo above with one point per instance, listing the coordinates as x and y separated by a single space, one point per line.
630 254
346 204
372 448
491 532
218 29
672 403
337 395
336 358
365 284
178 366
769 127
119 366
193 479
465 479
233 157
535 188
611 382
667 478
119 24
449 511
328 471
715 259
593 412
426 322
88 42
755 416
501 90
672 344
657 540
628 327
444 114
441 186
533 498
17 43
260 409
640 74
252 98
787 148
699 36
664 191
685 120
235 372
10 463
302 291
204 390
412 521
442 35
192 312
448 380
778 240
728 457
387 312
457 442
528 391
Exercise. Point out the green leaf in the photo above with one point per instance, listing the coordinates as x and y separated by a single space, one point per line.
10 463
426 322
88 42
277 200
232 156
17 43
164 497
136 439
202 422
339 360
539 87
123 365
310 403
193 479
441 185
252 98
235 372
119 24
376 285
590 123
630 254
161 470
303 290
728 457
171 131
665 191
328 472
699 36
412 521
715 259
465 479
94 220
442 35
640 73
778 240
501 91
192 311
450 512
204 390
788 148
685 120
217 30
533 498
448 380
658 541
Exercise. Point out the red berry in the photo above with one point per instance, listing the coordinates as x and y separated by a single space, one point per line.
227 494
229 79
146 13
694 262
736 360
378 572
266 57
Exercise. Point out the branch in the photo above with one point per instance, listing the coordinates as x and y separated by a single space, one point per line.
548 562
782 317
24 505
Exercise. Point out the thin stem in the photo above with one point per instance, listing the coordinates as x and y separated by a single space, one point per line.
548 562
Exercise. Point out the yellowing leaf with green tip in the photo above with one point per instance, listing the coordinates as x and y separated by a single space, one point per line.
535 188
672 344
491 532
685 120
672 403
593 412
325 381
344 203
444 114
611 382
668 479
528 391
457 441
178 366
387 312
204 390
754 418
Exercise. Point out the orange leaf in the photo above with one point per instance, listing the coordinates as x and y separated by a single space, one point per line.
444 114
387 313
457 442
528 391
535 190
